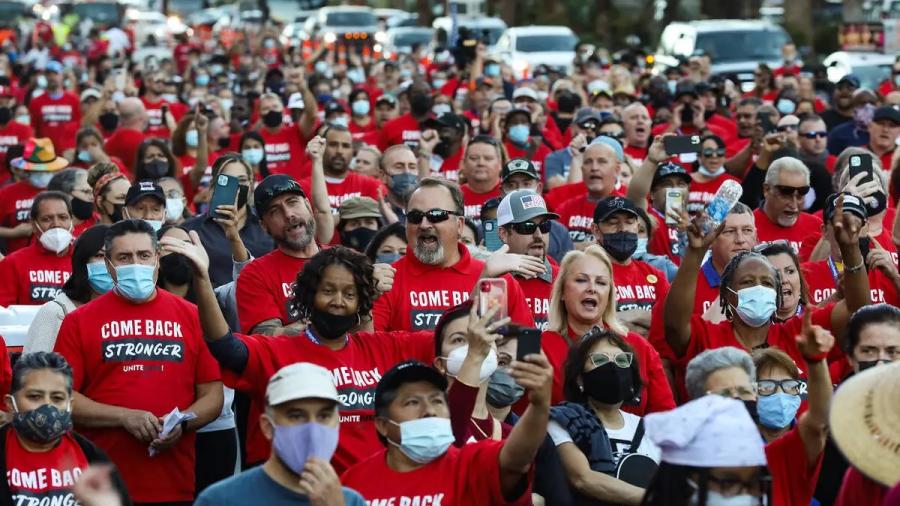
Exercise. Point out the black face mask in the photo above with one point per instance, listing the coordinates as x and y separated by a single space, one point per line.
5 115
82 209
358 238
868 364
273 119
116 215
620 245
331 326
243 191
420 103
45 424
175 269
880 204
751 408
609 384
109 121
442 149
156 169
223 142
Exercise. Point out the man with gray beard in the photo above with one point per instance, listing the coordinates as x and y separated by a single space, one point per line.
437 271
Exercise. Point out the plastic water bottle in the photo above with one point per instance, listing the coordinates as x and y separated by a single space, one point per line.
717 209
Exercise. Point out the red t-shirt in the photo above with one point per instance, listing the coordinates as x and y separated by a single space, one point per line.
286 152
156 126
11 134
638 285
793 477
354 184
33 275
637 154
448 168
401 130
577 215
86 224
474 201
124 144
537 295
149 357
563 193
858 489
767 230
820 280
43 477
421 293
57 118
664 240
656 394
537 158
360 132
5 370
463 476
356 370
15 208
700 194
264 287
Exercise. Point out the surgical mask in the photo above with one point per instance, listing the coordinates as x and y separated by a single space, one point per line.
252 155
438 83
778 410
175 268
226 103
360 107
358 238
672 85
154 224
492 70
109 121
40 179
23 119
620 245
714 498
387 258
42 82
56 240
439 109
44 424
609 383
174 209
424 439
201 80
519 133
169 97
708 173
356 76
273 119
641 246
340 121
405 74
321 67
332 326
135 281
863 115
456 357
98 277
403 184
503 391
756 305
82 209
156 168
216 69
85 156
897 79
192 138
295 444
269 43
785 106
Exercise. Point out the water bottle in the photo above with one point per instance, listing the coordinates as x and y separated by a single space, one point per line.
717 209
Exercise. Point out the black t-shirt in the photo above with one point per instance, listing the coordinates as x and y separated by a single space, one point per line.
832 118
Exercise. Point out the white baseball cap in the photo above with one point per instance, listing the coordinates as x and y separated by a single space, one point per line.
301 381
295 101
526 92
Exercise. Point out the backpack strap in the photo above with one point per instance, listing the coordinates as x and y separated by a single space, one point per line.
638 436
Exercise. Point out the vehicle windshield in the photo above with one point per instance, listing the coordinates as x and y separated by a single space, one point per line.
538 43
350 19
492 34
11 11
407 39
756 45
100 13
870 76
185 8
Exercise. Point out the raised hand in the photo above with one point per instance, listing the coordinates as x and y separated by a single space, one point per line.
316 148
535 374
502 262
847 226
192 250
481 333
428 141
814 341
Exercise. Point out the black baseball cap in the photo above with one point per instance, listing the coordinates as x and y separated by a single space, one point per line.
685 87
852 204
447 119
850 79
518 110
144 188
887 112
410 371
670 169
334 107
271 187
519 166
612 205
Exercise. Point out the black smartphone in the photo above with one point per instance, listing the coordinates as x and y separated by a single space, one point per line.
529 341
678 144
687 115
765 121
861 164
224 193
865 245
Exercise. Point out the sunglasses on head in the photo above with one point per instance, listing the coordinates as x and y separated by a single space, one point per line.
434 215
812 135
786 128
790 191
708 152
528 227
764 246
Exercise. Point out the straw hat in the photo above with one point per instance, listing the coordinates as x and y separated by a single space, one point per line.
39 156
865 422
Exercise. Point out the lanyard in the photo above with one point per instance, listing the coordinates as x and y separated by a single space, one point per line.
315 340
835 269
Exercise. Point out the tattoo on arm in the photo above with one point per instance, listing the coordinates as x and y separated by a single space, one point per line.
273 327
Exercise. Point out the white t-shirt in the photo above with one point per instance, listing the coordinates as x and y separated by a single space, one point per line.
619 439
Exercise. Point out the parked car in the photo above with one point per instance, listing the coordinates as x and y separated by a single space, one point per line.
349 23
486 28
526 47
402 40
871 68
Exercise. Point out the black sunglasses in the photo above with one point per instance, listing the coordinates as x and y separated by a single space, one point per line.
528 227
790 191
812 135
708 152
434 215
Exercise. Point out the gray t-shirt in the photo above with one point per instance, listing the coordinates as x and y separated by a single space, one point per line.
256 487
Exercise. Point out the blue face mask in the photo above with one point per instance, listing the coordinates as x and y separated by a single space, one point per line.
424 439
201 80
98 277
778 410
40 179
360 107
154 224
192 138
403 184
519 133
135 281
340 121
641 246
756 305
85 156
252 155
492 70
785 106
387 258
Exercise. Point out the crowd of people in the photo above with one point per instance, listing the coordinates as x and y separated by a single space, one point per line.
265 276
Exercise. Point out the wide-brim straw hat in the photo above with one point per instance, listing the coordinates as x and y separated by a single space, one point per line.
39 156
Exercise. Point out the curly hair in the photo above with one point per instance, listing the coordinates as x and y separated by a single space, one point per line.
310 277
727 278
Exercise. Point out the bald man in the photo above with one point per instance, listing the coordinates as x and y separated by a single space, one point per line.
129 135
636 122
600 168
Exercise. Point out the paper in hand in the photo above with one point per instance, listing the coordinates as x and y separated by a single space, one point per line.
170 421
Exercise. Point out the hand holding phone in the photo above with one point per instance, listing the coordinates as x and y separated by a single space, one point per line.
528 342
676 198
679 144
491 294
225 193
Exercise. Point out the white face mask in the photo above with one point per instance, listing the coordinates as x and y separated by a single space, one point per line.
455 360
174 209
56 240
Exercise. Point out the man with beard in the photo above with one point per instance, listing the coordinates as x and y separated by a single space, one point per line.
441 149
781 215
524 225
407 129
284 143
842 104
437 271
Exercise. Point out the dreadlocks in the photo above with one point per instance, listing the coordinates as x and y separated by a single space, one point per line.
727 279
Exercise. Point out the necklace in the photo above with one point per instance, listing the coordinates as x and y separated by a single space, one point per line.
475 423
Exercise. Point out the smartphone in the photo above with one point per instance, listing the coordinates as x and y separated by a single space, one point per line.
765 121
492 293
676 198
865 245
119 78
687 115
861 164
491 238
529 342
678 144
224 193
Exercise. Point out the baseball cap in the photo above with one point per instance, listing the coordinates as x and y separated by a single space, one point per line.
296 101
887 112
612 205
409 371
668 169
525 92
301 380
685 87
144 188
522 205
586 114
271 187
358 207
852 204
386 99
518 110
448 119
334 107
519 166
90 93
54 66
850 79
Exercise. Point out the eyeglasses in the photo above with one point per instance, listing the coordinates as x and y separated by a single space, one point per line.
528 227
614 135
764 246
790 191
740 392
710 152
812 135
786 128
622 359
769 387
434 215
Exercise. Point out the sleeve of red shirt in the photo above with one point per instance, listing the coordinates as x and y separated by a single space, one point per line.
9 288
518 308
792 483
381 311
250 378
68 344
256 302
5 371
699 337
658 392
461 400
207 369
481 461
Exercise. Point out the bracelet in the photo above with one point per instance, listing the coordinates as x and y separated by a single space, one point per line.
816 358
851 270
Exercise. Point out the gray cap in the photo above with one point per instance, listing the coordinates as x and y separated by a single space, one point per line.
586 114
522 205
